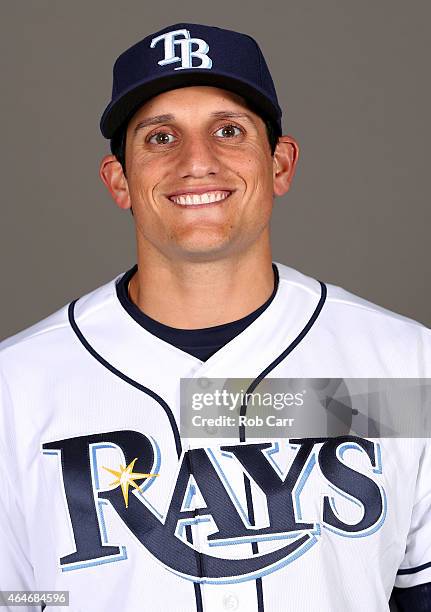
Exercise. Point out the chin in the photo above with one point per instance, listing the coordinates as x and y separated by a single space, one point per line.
204 251
203 240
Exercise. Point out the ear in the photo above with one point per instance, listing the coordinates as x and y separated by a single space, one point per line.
284 164
111 173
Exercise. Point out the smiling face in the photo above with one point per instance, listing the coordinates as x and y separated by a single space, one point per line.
200 175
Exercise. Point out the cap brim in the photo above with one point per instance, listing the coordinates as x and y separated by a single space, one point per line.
123 108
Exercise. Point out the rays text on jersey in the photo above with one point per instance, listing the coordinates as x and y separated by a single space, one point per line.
350 503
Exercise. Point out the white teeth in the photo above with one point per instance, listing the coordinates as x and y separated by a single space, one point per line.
202 198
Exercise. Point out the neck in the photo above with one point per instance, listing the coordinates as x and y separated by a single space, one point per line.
194 295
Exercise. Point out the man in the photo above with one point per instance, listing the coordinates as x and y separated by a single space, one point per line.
102 497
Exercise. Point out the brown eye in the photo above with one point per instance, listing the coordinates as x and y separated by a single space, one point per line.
228 131
161 138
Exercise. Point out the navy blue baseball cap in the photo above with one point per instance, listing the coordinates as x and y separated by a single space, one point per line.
186 54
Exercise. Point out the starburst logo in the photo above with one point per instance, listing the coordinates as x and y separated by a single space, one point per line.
126 477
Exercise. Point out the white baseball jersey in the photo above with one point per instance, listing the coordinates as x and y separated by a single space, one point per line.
90 406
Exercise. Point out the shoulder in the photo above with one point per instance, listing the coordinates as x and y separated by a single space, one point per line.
349 323
47 339
343 303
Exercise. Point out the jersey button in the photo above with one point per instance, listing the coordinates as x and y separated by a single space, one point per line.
230 601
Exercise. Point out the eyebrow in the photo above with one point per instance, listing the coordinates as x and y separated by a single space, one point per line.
153 121
159 119
231 115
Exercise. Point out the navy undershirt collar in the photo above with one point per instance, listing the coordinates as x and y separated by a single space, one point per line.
201 343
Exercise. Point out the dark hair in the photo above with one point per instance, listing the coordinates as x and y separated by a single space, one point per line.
118 141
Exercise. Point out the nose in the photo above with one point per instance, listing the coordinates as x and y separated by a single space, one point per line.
197 157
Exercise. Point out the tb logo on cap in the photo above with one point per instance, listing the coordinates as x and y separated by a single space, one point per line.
186 54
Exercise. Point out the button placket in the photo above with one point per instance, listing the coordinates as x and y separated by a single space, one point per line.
230 601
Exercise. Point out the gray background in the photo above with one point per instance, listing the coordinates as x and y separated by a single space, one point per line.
352 78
